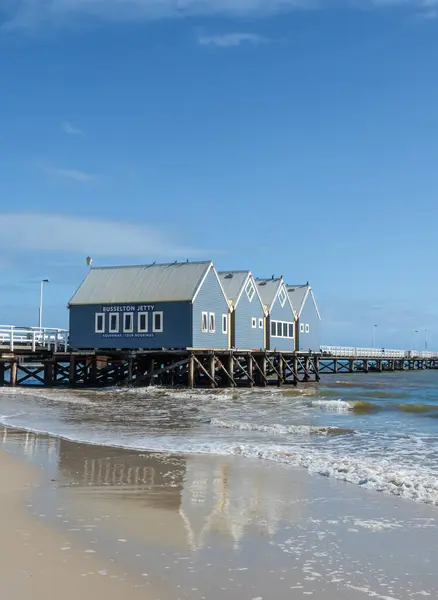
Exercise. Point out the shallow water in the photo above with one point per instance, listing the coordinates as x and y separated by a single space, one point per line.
379 431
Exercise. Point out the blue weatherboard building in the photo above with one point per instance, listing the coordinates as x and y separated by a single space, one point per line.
281 317
247 313
307 324
178 305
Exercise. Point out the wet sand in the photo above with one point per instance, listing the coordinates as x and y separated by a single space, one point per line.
105 522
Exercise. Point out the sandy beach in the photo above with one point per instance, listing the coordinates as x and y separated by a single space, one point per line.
91 521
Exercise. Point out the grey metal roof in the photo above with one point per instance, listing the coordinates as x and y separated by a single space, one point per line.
297 293
232 282
267 289
144 283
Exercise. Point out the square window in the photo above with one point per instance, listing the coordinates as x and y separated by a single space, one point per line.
114 323
212 323
290 330
260 323
128 322
284 329
142 325
274 328
301 327
253 322
99 323
307 328
224 324
250 290
204 322
157 322
282 295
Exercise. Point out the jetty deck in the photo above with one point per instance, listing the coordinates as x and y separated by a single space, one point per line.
29 356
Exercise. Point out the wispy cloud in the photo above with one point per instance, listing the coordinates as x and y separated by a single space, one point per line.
231 39
74 174
70 129
30 13
42 232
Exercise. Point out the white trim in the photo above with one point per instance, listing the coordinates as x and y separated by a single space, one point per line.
130 329
204 329
242 289
275 298
225 322
254 322
117 321
204 277
314 302
261 323
139 316
212 323
96 317
250 295
282 295
157 329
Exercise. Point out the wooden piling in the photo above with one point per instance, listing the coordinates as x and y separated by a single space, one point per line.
249 366
14 369
212 370
191 372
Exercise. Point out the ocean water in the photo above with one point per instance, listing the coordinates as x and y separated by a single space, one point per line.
379 431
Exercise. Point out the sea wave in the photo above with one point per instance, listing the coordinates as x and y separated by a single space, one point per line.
278 429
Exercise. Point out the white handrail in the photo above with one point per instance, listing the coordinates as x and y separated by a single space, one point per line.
381 353
34 338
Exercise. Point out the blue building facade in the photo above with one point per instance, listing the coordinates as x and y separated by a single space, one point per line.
280 326
308 318
247 313
178 305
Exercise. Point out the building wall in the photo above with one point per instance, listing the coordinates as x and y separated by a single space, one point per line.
309 339
177 326
285 314
245 336
210 300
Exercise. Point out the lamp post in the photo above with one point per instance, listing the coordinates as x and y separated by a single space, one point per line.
42 282
425 339
415 338
374 335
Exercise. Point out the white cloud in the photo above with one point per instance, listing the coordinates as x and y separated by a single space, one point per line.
231 39
29 13
70 129
72 174
41 232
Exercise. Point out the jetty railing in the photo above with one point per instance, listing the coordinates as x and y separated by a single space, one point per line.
380 353
33 338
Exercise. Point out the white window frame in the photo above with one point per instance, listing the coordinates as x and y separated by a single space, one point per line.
307 328
301 327
139 316
116 316
130 329
254 322
260 323
250 290
282 296
96 318
204 324
289 325
224 324
275 328
157 329
212 323
285 325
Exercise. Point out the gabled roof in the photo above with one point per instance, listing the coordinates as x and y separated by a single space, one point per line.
298 295
143 283
268 290
234 284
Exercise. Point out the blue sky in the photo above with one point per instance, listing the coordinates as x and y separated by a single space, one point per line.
291 137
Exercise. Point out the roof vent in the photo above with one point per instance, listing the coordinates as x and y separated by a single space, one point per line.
229 276
262 283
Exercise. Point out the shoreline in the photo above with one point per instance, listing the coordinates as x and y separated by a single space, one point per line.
204 526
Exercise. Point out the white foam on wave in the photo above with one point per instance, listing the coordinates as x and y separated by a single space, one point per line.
52 395
276 428
332 405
